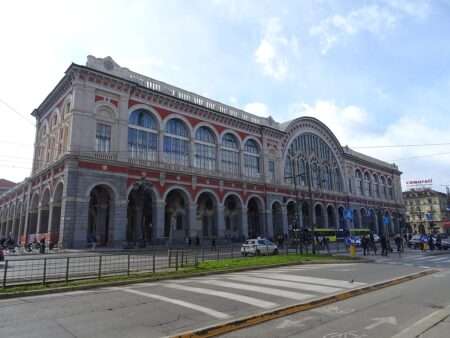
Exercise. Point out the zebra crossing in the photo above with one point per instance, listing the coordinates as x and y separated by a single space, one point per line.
419 259
260 289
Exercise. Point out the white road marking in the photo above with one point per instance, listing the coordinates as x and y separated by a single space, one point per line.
286 284
260 289
199 308
438 259
228 295
311 280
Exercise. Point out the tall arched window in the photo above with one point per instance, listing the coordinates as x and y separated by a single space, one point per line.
367 184
230 154
251 159
359 182
383 187
302 149
142 135
176 142
377 185
390 189
205 149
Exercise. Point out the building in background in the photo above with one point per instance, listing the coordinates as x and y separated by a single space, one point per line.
426 210
131 160
5 185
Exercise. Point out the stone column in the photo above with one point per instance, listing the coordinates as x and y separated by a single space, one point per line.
38 225
220 221
118 223
244 222
192 229
159 209
50 220
269 223
284 219
326 223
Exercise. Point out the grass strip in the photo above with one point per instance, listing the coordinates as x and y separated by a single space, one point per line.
203 268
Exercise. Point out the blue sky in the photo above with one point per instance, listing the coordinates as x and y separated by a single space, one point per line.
375 71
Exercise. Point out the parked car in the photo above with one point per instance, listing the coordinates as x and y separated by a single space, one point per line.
258 246
416 240
445 244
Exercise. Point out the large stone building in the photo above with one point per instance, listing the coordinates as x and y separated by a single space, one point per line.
126 158
426 210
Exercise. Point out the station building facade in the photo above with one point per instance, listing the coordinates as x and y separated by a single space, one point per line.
131 160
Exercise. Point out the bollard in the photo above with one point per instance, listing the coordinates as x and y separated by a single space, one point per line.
182 257
100 267
154 261
170 258
128 265
176 261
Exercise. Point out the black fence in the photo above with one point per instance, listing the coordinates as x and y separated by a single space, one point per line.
59 268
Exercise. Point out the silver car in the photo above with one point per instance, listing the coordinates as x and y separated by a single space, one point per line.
258 246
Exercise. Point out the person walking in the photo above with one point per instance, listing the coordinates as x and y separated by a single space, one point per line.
42 245
384 248
398 243
430 242
365 245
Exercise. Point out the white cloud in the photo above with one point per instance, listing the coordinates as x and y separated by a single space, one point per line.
257 108
273 50
375 19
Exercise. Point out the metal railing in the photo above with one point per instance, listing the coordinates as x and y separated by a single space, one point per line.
44 269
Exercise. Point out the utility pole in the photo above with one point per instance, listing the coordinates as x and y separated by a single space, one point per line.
311 207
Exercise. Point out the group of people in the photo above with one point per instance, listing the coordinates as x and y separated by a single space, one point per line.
368 243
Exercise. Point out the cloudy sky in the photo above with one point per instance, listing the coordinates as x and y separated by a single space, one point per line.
376 72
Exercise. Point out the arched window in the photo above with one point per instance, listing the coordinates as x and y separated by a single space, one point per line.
251 159
377 185
205 149
304 147
230 154
142 135
383 187
359 183
367 184
390 189
176 142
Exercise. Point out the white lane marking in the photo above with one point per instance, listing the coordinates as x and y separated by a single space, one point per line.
199 308
447 261
425 266
311 280
260 289
286 284
419 258
438 259
228 295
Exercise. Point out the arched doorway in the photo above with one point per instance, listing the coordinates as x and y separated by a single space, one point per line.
356 220
364 221
207 215
45 212
320 219
331 217
255 218
341 218
140 213
176 226
277 220
292 216
233 217
56 214
99 217
305 215
32 218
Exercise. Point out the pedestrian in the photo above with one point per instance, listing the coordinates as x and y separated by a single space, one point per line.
398 243
93 241
197 240
383 243
189 240
325 244
213 243
42 246
430 242
365 245
439 242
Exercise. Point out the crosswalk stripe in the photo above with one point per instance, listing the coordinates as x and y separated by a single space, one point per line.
308 279
260 289
286 284
438 259
228 295
419 258
199 308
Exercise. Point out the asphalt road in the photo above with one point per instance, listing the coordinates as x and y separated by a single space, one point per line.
168 307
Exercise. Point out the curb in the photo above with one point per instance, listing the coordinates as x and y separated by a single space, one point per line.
160 278
240 323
